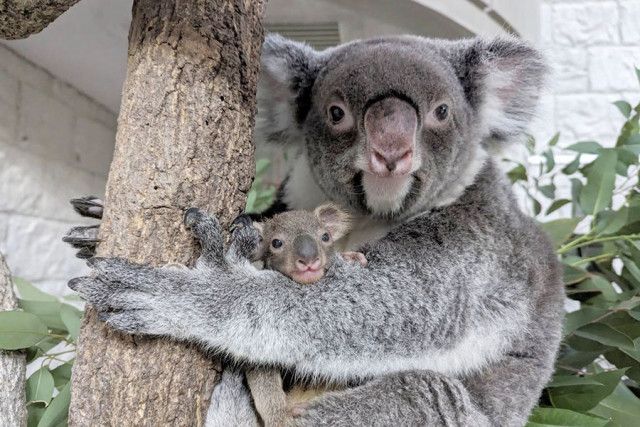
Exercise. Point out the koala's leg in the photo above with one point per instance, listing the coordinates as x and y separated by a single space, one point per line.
409 398
231 403
269 397
207 230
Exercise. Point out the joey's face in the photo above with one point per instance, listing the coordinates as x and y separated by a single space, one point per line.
300 244
297 246
386 127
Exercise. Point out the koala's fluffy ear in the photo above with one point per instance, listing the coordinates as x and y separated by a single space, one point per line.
337 221
288 71
502 79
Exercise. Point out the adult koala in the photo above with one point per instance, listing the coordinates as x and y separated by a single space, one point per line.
457 317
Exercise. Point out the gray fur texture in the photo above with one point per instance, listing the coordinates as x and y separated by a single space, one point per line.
457 317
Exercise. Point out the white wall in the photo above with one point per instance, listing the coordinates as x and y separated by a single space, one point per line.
55 144
593 46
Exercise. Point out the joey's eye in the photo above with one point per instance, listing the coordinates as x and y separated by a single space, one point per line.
276 243
336 114
325 237
442 111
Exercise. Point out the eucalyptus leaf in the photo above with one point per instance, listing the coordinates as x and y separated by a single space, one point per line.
624 107
572 167
585 397
557 204
62 374
58 409
47 311
585 147
40 386
621 406
20 330
548 417
71 317
604 334
597 193
560 230
29 292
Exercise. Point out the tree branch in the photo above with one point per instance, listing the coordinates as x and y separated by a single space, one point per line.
21 18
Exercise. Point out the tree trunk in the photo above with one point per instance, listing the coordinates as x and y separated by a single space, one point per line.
21 18
13 411
184 139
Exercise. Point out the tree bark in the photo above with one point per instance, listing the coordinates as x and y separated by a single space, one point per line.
13 411
21 18
184 139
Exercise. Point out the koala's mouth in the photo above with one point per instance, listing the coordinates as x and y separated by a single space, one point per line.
307 276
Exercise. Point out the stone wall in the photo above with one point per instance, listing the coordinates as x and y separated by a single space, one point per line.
55 144
593 46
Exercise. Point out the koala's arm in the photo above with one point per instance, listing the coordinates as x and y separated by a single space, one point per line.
397 308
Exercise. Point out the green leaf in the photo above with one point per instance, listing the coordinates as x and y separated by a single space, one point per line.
47 311
584 397
597 193
518 173
554 140
251 198
548 191
262 165
27 291
58 409
549 160
549 417
624 107
560 230
62 374
585 147
608 222
34 413
604 334
570 380
71 317
20 330
621 406
584 316
557 205
572 167
40 386
573 274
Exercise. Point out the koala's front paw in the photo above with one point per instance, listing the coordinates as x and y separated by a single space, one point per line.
130 297
207 230
245 241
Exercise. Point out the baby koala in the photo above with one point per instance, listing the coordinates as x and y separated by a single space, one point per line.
301 245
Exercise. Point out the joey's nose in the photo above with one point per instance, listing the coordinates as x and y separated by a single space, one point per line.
390 128
306 252
303 264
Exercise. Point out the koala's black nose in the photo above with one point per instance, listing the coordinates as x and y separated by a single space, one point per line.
305 249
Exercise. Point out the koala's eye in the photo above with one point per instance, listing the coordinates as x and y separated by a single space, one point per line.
442 111
325 237
276 243
336 114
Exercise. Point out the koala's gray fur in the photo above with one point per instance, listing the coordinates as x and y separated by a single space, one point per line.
456 319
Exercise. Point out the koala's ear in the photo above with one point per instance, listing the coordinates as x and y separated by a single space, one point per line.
502 79
337 221
288 71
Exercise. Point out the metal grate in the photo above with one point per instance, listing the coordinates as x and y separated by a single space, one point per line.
320 35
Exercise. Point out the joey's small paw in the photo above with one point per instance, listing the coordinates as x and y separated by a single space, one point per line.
192 216
355 257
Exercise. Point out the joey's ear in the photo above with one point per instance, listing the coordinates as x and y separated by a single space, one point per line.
502 79
288 71
337 221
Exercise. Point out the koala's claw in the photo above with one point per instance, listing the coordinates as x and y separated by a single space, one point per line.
191 216
89 206
242 220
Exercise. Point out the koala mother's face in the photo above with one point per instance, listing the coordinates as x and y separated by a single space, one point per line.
397 125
